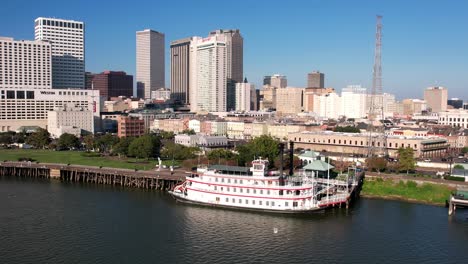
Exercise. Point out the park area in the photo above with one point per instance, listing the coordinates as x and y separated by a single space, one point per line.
77 158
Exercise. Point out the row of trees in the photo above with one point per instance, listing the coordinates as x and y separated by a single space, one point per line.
405 163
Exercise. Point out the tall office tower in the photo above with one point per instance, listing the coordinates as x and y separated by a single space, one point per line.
436 98
246 97
25 64
68 50
208 74
276 80
354 101
234 62
112 84
149 61
316 79
180 68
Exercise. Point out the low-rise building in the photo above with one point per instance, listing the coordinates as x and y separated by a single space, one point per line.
455 118
71 120
357 143
130 126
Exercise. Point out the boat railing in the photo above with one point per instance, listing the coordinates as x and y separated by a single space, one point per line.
293 194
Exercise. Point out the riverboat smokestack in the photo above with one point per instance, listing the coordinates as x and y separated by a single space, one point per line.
291 158
281 153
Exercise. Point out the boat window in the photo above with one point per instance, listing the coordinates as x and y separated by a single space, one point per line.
240 190
216 179
229 180
241 181
294 204
247 191
227 200
261 191
240 201
253 201
222 179
272 203
268 192
254 191
228 189
234 189
286 203
217 199
259 202
221 188
235 181
233 200
267 203
215 188
246 201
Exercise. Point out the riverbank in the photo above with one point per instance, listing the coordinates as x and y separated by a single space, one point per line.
77 158
410 191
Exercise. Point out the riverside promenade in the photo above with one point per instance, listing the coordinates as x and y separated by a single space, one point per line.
151 179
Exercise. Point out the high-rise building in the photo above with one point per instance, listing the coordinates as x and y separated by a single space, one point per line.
25 64
276 80
316 79
234 61
436 98
246 97
208 74
310 93
68 50
112 84
149 61
456 103
354 101
180 69
327 105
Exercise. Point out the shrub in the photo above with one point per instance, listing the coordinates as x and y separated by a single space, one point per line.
454 178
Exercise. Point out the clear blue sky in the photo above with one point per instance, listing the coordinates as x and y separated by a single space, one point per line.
425 43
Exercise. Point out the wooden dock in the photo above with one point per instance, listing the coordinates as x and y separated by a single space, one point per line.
457 199
157 180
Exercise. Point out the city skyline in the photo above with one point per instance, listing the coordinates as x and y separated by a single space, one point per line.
419 50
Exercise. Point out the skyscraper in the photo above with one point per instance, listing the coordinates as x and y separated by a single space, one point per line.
68 54
208 74
180 69
112 84
25 64
234 62
245 97
276 80
149 61
436 98
316 79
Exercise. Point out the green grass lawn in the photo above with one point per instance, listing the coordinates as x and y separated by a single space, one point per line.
78 158
427 192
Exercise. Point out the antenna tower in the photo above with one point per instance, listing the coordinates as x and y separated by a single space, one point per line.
377 141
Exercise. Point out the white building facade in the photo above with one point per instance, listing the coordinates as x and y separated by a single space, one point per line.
149 62
71 120
208 74
456 118
25 64
30 107
68 50
354 101
245 93
328 105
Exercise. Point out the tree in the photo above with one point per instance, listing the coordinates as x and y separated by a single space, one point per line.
286 162
464 150
143 147
406 161
121 147
68 141
459 167
347 129
376 164
104 143
263 146
189 132
39 139
175 151
217 154
88 140
6 138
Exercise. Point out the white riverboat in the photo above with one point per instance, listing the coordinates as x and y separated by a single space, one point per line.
256 188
